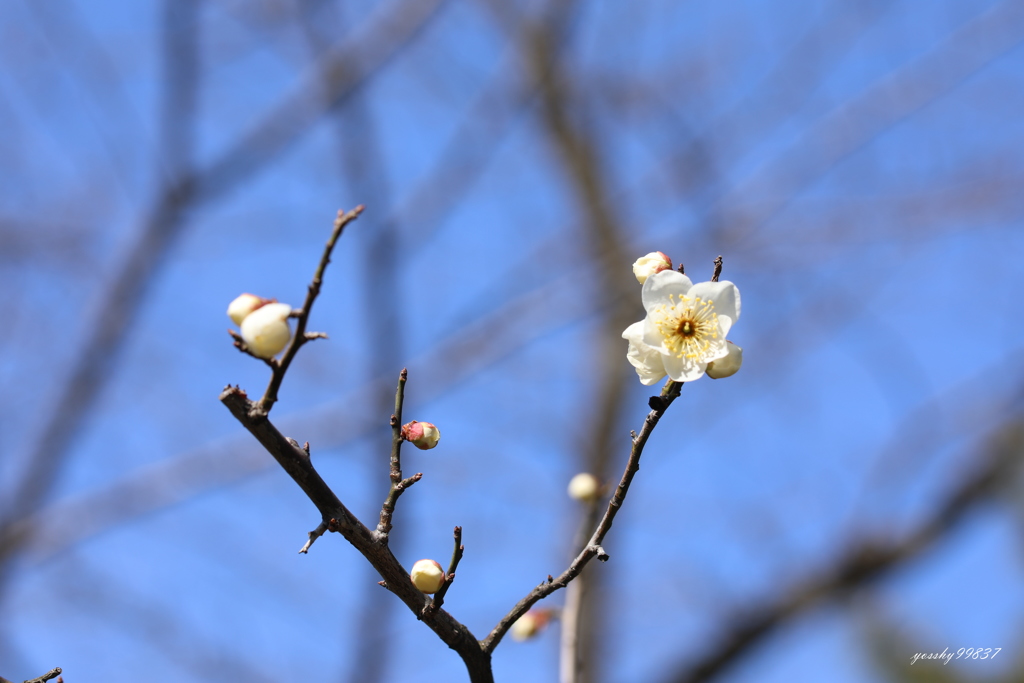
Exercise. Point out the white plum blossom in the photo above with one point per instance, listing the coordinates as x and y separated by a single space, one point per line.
685 327
265 330
727 366
648 265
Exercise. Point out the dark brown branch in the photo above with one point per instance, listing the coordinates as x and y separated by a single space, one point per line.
296 462
718 269
593 548
862 563
300 338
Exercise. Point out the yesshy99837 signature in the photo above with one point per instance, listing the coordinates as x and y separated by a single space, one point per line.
965 653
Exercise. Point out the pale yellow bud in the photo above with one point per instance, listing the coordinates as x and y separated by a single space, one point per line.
427 576
727 366
266 330
584 487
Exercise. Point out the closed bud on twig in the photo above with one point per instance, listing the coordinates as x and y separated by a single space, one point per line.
243 305
727 366
584 487
530 624
422 435
266 330
646 266
427 576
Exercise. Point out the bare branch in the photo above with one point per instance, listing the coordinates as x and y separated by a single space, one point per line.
53 673
659 404
277 376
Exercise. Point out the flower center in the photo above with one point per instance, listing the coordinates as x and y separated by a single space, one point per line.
688 326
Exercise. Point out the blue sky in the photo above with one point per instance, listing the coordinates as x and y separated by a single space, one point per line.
856 165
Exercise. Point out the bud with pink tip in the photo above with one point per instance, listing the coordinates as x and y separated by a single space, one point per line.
265 330
530 624
584 487
648 265
427 576
243 305
728 365
422 435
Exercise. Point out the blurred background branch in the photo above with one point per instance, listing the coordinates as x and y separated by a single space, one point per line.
856 165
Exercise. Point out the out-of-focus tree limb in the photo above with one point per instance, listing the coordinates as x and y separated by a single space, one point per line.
94 365
862 118
865 562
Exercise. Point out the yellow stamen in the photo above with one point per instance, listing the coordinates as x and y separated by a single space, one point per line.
688 326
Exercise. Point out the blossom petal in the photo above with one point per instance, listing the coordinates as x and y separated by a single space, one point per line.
683 369
646 360
727 301
658 288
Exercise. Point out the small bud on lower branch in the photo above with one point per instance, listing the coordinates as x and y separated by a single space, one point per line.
531 623
427 576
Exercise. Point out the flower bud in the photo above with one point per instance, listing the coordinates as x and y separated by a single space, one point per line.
243 305
427 576
728 365
530 624
266 330
584 487
646 266
422 435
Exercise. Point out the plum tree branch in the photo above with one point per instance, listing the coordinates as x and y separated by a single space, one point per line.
659 404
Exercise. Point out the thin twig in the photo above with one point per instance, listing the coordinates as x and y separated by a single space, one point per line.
718 269
398 485
296 462
277 376
313 535
450 575
659 404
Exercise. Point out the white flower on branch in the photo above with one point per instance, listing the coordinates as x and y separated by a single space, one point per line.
422 435
685 327
265 330
427 576
727 366
648 265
